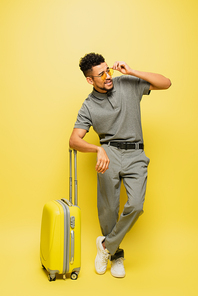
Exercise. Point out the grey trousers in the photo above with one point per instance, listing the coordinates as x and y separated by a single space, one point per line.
131 167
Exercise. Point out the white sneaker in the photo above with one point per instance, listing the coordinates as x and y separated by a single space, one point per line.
117 268
101 257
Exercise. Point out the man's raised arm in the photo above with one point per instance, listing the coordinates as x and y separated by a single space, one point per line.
157 81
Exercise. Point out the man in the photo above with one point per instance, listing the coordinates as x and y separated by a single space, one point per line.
113 109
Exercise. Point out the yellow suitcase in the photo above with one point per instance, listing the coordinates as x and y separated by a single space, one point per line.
60 243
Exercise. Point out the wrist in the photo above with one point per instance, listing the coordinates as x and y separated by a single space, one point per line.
132 72
98 148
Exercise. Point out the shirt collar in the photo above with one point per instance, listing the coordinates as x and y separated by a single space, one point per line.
102 96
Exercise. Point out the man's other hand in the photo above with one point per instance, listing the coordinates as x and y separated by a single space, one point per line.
102 161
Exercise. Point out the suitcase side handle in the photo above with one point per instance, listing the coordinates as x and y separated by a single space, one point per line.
67 202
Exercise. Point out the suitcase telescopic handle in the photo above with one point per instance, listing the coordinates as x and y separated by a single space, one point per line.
70 175
75 178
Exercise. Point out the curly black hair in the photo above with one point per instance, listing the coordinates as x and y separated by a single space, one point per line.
90 60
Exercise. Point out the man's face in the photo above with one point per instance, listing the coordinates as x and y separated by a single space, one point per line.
98 83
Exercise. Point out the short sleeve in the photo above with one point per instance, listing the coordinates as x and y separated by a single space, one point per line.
136 86
144 87
83 119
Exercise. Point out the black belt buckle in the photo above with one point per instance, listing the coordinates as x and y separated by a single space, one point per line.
121 145
125 146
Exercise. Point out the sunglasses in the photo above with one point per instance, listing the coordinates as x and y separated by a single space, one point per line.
103 75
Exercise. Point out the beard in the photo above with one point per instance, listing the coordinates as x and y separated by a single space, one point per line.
108 85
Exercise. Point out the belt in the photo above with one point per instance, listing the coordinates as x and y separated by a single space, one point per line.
126 145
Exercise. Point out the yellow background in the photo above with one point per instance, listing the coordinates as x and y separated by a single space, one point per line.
41 91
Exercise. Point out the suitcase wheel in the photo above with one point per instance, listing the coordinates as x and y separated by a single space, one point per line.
74 275
51 279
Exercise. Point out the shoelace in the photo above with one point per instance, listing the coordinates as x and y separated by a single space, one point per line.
105 257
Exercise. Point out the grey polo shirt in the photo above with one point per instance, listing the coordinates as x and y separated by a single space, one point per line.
115 115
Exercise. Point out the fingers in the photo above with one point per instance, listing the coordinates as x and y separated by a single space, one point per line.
119 66
102 166
115 66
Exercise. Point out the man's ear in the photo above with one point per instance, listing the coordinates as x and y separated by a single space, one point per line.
89 80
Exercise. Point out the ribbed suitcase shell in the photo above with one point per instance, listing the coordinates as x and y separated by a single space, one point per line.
60 245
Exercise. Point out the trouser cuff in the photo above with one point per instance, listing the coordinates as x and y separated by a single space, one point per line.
119 253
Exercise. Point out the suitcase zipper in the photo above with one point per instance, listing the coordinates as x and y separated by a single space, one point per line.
72 248
66 236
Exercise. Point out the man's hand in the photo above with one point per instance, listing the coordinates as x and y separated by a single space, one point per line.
122 67
102 161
